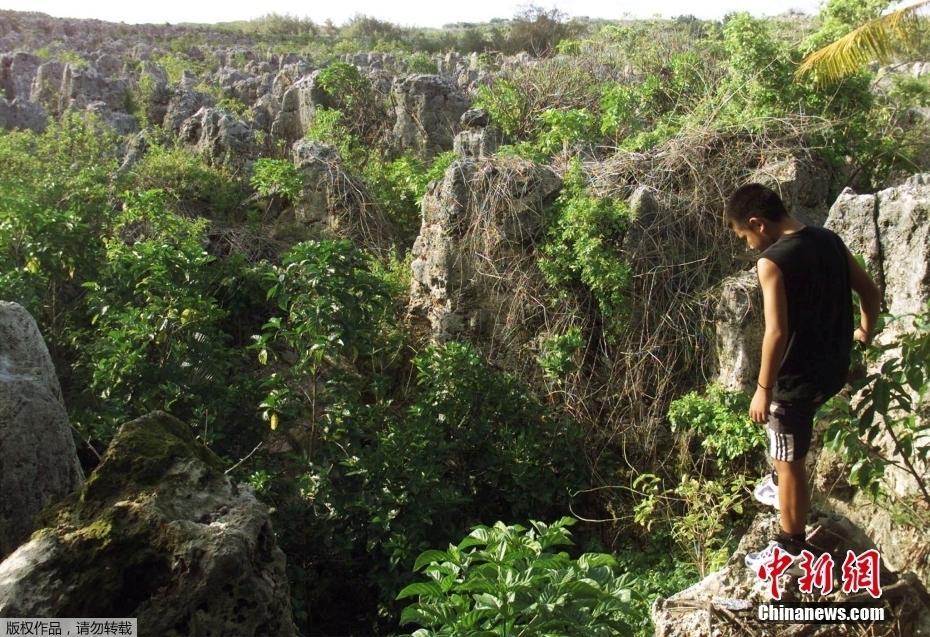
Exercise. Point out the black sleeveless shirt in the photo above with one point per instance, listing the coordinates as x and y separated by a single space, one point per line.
813 264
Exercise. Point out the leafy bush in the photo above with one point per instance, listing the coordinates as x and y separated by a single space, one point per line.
190 184
558 353
504 580
700 514
721 418
156 340
471 444
276 177
55 203
507 107
582 248
329 126
332 309
420 62
889 403
564 129
352 94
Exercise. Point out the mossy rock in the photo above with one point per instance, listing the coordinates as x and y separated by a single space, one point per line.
160 533
137 459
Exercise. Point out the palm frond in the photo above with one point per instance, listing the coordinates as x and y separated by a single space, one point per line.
879 39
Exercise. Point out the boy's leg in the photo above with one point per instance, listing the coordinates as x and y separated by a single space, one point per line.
790 429
793 495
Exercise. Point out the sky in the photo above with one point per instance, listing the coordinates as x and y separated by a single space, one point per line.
432 13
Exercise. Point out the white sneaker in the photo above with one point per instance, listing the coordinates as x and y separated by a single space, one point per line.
766 492
764 558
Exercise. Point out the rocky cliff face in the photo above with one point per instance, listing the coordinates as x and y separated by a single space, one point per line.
157 532
477 222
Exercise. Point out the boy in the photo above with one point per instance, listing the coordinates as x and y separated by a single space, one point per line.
806 274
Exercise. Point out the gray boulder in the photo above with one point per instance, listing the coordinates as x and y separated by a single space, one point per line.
428 109
890 230
108 64
82 85
136 148
498 202
739 328
218 135
903 220
298 104
477 137
121 123
22 115
38 460
160 533
46 87
263 112
331 203
184 103
854 218
17 72
238 85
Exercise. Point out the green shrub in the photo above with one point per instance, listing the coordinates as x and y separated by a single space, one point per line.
329 126
560 130
156 340
507 107
420 62
890 404
55 203
190 183
472 444
331 309
557 358
276 177
701 515
721 419
583 252
505 580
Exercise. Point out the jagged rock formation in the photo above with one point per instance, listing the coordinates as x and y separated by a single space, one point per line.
739 331
482 212
38 460
157 532
22 115
890 228
185 101
17 71
298 104
428 109
82 86
218 135
478 138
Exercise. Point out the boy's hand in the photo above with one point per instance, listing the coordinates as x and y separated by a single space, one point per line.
759 408
861 336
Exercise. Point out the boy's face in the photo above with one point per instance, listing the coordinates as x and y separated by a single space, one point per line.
754 233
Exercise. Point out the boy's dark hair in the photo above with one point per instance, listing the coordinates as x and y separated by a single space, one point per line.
755 200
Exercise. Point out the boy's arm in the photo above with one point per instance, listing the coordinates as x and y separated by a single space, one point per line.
870 299
774 341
